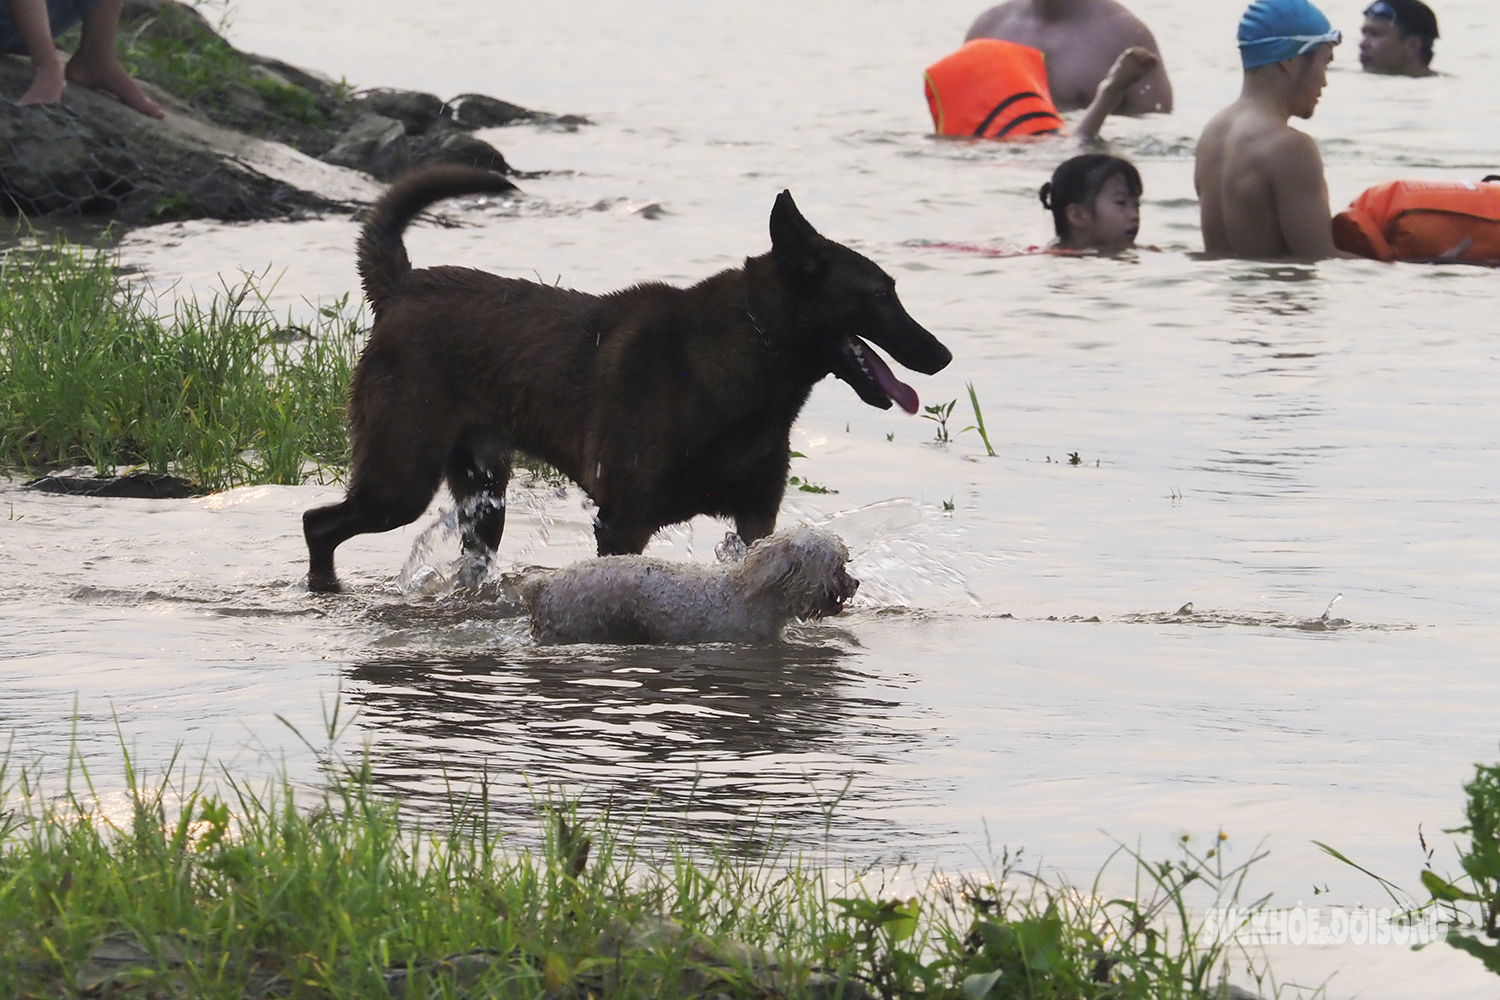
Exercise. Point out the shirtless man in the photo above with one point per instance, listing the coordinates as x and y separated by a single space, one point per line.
1081 40
30 25
1261 191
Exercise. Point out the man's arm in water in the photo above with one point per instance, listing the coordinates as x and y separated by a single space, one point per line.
1301 194
1153 93
1133 64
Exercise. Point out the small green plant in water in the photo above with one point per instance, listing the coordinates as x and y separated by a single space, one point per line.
978 420
805 485
939 413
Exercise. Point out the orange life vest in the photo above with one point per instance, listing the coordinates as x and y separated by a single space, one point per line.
991 89
1419 220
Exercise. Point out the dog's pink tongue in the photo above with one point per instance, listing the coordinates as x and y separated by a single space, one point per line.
903 395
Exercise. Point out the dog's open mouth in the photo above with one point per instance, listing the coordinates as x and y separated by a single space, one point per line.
831 602
872 378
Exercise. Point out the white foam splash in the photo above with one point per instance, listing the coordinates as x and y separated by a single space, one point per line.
904 553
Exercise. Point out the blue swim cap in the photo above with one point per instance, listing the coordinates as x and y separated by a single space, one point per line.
1273 30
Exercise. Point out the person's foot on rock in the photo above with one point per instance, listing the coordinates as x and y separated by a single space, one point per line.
47 85
112 78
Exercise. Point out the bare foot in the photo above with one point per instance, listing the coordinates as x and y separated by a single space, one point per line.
1132 65
47 85
112 78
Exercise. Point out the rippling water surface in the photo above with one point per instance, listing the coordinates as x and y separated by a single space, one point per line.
1252 439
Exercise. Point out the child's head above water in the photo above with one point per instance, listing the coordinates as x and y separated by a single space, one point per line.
1095 202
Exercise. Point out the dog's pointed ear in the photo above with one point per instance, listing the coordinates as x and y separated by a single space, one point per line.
795 244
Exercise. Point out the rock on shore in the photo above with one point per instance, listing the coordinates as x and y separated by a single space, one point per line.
259 139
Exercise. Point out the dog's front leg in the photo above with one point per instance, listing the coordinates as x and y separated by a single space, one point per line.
615 539
751 527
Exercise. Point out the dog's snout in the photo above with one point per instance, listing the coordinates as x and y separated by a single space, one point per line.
847 585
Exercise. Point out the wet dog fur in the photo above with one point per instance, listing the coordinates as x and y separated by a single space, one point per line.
796 573
662 403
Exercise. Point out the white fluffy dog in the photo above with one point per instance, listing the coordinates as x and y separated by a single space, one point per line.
794 573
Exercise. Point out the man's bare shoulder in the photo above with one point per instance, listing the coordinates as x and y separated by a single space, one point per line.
1246 126
1272 147
1121 23
998 21
1214 132
1291 143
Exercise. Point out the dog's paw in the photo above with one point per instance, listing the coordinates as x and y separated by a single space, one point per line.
323 583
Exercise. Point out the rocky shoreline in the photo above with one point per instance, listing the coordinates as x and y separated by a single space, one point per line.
246 137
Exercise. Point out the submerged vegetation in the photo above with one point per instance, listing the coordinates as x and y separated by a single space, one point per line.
223 394
189 888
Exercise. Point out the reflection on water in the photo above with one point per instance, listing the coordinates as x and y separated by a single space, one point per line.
711 735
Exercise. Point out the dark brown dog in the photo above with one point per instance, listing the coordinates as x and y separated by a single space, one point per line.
661 403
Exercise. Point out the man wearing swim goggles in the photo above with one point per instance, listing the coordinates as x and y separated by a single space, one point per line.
1397 38
1261 192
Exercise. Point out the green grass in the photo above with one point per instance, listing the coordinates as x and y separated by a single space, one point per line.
179 56
90 374
217 889
1469 903
978 425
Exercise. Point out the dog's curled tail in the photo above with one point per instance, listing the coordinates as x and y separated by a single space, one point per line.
382 254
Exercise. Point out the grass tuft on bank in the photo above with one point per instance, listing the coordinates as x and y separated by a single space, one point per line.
177 50
221 393
186 887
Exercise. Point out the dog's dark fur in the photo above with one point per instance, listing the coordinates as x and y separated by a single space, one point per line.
661 403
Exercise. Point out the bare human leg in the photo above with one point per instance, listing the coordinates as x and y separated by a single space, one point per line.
97 65
35 29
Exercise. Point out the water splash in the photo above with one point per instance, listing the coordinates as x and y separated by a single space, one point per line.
903 552
438 562
732 549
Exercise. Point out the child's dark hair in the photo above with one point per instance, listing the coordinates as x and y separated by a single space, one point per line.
1078 182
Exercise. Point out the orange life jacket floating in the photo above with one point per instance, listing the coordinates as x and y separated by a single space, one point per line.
991 89
1421 220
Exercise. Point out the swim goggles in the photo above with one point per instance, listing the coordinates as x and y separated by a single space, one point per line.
1309 42
1382 10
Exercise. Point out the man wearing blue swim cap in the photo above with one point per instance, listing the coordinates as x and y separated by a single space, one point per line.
1261 192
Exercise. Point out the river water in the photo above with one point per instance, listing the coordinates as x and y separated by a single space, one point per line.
1252 439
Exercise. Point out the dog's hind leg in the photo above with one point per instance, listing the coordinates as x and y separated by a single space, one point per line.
478 471
362 511
392 477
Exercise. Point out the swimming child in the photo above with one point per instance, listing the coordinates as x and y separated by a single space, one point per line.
1095 201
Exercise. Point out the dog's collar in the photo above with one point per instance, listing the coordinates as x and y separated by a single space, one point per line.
755 324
